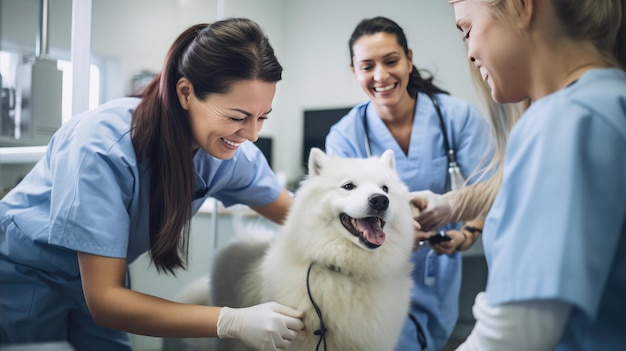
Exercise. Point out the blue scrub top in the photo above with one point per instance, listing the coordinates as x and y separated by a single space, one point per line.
435 297
557 228
90 194
426 165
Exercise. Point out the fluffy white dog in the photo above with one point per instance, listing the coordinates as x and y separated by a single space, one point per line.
342 257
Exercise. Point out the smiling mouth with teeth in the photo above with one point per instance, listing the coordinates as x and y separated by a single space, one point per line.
229 142
369 230
385 88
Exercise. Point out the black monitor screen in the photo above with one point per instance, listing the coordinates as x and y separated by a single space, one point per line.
265 145
317 124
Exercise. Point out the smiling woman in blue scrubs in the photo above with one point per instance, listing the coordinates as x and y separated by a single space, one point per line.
403 115
126 178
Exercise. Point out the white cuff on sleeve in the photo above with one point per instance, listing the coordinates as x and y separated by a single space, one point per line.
529 325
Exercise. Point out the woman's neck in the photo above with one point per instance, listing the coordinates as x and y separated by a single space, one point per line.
399 121
400 114
563 67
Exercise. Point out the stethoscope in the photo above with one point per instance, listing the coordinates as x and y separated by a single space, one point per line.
456 178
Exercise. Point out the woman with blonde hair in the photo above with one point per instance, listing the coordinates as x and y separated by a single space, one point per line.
555 229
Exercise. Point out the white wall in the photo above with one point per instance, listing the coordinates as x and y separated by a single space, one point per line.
310 39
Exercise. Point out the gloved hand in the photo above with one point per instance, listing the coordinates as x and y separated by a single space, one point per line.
269 326
435 209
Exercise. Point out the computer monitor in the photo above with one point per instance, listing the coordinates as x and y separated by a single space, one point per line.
317 124
265 145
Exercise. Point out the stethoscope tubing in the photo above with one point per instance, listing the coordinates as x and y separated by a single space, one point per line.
446 143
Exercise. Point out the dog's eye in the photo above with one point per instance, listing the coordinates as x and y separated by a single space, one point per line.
385 189
348 186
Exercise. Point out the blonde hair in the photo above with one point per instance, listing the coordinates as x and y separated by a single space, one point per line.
475 200
599 21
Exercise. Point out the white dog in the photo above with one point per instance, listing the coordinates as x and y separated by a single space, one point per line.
342 257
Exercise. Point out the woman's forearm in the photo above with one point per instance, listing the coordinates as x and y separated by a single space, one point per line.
138 313
473 201
114 306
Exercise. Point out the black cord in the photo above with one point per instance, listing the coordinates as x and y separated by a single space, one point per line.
450 154
322 330
421 338
446 144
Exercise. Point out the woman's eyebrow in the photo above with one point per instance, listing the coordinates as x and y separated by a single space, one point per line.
248 114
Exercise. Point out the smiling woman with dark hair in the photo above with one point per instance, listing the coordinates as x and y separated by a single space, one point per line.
435 138
126 178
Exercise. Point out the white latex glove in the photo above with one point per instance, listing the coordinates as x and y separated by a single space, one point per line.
435 209
266 327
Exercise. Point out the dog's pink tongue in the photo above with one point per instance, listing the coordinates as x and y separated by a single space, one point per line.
370 227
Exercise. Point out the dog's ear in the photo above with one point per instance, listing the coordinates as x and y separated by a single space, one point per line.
317 157
388 158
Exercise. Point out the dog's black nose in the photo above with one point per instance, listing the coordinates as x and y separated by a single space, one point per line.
379 202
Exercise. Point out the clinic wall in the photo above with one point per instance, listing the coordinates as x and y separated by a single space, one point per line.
310 39
131 36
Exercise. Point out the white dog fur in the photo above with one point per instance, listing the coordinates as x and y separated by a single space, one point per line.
361 282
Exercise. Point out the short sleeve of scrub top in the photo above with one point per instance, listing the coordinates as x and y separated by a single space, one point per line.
89 212
346 138
555 225
244 179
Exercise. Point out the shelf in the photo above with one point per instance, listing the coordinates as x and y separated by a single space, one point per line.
21 154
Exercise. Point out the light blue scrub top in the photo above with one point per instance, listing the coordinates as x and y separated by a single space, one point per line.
89 193
557 228
435 297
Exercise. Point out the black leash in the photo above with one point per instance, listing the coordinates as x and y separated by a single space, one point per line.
322 330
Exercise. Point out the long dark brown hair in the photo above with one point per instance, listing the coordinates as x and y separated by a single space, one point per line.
370 26
212 57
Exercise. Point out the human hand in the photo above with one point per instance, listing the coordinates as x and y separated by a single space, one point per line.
419 237
456 243
451 246
435 209
265 327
